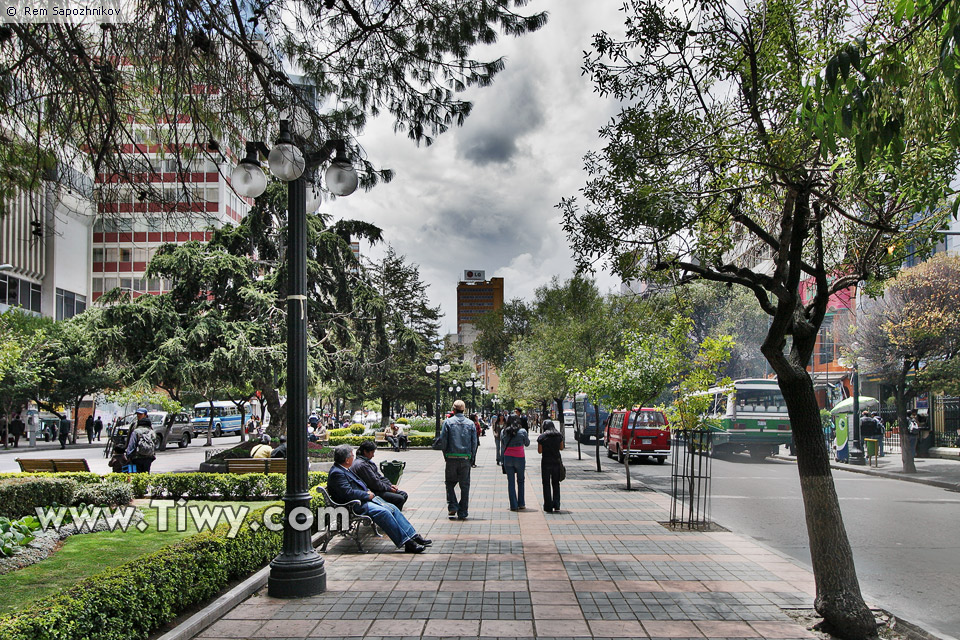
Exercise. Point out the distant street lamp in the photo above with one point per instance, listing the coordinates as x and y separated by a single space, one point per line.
472 384
437 366
298 571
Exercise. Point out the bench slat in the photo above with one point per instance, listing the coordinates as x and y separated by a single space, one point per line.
256 465
53 465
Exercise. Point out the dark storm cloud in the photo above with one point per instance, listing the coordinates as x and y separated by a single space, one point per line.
492 132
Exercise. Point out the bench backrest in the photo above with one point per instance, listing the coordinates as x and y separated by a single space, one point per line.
380 436
36 465
71 464
257 465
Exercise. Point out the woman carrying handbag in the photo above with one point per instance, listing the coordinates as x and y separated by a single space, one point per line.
514 438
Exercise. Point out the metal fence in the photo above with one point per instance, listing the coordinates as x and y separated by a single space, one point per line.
690 480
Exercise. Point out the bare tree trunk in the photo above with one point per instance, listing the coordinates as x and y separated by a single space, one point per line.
384 412
596 432
278 417
906 443
838 597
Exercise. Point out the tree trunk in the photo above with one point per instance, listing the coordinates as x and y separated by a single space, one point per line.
838 597
906 444
76 415
385 412
278 417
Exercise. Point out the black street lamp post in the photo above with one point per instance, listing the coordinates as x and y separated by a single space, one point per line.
299 570
437 366
472 384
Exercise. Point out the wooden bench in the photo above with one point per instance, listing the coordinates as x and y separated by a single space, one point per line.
333 525
380 437
256 465
53 465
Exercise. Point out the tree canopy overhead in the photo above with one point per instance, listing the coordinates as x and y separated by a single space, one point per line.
85 94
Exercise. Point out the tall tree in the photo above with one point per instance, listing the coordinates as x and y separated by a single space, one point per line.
497 330
22 366
410 329
710 172
85 94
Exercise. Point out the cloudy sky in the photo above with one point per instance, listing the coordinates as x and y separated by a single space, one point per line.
483 196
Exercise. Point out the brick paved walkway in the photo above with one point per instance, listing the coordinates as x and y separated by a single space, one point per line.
603 568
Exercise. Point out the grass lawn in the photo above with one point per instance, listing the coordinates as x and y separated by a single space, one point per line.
85 555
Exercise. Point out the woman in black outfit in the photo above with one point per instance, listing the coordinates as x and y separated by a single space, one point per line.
549 445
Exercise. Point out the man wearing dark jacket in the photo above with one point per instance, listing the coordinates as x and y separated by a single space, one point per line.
366 470
142 456
17 429
344 486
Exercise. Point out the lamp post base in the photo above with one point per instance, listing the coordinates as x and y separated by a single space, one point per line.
856 455
297 577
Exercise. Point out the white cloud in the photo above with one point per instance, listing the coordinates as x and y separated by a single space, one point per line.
484 195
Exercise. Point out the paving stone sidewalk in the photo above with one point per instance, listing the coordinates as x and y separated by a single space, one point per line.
602 568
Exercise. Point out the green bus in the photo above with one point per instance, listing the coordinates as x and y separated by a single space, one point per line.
750 415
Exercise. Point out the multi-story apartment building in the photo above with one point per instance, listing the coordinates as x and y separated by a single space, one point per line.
186 199
45 243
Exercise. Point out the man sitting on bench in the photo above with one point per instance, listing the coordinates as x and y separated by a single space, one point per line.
367 471
343 486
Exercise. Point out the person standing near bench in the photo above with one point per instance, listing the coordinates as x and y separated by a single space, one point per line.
343 486
142 445
367 471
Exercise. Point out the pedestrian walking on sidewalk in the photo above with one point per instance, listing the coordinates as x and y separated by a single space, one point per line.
88 427
514 439
98 427
17 429
457 441
64 432
549 446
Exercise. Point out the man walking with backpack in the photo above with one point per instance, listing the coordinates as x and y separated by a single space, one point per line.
142 445
458 441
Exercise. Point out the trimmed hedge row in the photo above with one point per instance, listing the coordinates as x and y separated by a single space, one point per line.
132 600
413 441
20 496
197 486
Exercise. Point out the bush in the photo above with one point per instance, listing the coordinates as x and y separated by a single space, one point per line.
203 486
356 428
134 599
104 494
339 432
413 441
402 421
423 424
197 486
21 496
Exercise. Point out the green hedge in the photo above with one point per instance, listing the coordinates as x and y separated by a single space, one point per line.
133 600
104 493
345 431
413 441
198 486
21 496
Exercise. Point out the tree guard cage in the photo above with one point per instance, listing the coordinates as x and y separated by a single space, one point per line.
690 486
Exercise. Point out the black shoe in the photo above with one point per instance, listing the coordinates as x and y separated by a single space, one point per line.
513 509
452 517
461 517
419 539
413 547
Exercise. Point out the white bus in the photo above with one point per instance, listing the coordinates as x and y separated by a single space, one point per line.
226 417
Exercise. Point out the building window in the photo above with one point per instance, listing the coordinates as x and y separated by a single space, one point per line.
98 255
98 285
125 255
826 340
69 304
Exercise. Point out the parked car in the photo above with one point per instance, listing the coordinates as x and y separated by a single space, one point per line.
175 427
638 432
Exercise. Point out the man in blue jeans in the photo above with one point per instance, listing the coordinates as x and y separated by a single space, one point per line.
343 486
458 441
